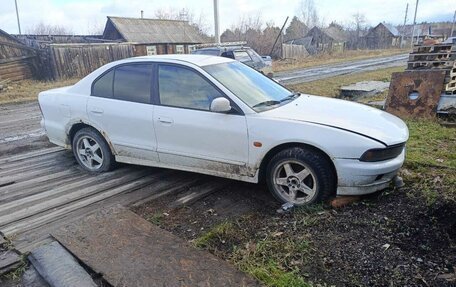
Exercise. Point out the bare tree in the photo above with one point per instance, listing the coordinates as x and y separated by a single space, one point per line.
308 14
356 29
95 27
198 21
48 29
249 28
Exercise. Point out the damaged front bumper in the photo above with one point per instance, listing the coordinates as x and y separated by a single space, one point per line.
356 177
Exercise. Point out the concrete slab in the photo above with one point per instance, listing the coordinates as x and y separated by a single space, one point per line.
129 251
363 89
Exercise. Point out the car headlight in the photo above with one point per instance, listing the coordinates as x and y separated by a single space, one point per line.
379 154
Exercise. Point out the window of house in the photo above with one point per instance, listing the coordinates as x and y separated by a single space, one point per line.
184 88
103 86
133 83
151 50
191 48
180 49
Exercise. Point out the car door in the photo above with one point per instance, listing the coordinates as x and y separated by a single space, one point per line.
188 133
120 106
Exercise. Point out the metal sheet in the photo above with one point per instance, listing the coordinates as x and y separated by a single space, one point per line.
428 85
129 251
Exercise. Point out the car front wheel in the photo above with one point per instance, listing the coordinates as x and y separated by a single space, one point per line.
92 151
300 176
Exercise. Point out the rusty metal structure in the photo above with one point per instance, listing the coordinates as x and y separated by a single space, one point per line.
428 85
416 93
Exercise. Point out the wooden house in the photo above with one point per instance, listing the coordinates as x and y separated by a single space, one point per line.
329 39
153 36
383 36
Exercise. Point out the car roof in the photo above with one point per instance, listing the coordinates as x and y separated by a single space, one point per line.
198 60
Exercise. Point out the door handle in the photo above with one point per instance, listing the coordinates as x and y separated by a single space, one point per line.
97 111
165 120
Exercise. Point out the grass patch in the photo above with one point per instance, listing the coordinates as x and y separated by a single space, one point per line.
333 58
330 87
430 166
27 90
215 235
156 218
273 260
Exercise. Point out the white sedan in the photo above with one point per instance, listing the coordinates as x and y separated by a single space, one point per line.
216 116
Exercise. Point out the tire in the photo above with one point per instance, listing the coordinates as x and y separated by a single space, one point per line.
91 151
300 176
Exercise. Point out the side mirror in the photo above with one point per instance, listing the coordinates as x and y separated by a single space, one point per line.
220 105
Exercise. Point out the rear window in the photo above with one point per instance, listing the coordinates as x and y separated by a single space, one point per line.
207 52
133 83
103 86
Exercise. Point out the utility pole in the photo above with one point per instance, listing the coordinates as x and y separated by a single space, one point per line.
414 23
17 15
403 27
280 34
452 26
216 22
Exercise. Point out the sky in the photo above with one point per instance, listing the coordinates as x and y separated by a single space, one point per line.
85 16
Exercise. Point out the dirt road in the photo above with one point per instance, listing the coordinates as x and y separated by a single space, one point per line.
326 71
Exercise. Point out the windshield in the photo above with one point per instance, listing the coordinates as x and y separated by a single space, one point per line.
254 89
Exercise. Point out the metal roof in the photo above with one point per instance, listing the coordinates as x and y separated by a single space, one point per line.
392 29
157 31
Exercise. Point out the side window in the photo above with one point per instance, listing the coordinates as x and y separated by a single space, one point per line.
184 88
255 57
103 86
132 83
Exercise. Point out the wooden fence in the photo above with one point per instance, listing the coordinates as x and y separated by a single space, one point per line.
17 61
292 51
78 60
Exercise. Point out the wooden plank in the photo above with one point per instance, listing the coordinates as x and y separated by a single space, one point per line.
38 172
26 224
37 183
9 212
33 166
2 61
76 179
198 192
33 159
30 154
26 240
8 260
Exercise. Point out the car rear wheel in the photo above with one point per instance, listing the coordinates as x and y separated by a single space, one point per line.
92 151
300 176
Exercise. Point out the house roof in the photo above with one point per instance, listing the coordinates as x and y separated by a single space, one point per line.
337 34
305 41
9 37
141 30
393 30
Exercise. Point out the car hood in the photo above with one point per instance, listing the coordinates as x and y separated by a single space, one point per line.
357 118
